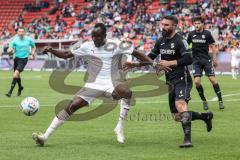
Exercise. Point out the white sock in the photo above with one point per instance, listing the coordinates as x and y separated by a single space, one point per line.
124 108
233 73
57 122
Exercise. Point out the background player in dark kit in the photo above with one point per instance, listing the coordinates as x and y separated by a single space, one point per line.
201 40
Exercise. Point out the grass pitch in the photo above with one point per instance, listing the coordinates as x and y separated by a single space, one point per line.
150 131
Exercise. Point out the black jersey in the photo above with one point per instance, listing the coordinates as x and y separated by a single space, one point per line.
200 43
172 49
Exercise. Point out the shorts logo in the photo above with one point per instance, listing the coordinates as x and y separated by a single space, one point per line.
172 45
181 94
212 70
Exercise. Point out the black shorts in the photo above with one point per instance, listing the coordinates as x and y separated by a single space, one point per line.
179 90
19 64
199 66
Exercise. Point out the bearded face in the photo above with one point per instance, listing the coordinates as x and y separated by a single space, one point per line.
166 32
168 27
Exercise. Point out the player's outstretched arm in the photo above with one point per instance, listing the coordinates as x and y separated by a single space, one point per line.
145 60
130 65
60 54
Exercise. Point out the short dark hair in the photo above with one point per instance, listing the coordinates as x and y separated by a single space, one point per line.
198 18
102 26
21 28
171 18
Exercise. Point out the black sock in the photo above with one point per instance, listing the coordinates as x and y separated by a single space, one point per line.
19 82
14 81
186 125
218 91
187 131
196 115
201 92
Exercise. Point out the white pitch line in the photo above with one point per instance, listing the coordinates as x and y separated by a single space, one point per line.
138 102
25 77
227 95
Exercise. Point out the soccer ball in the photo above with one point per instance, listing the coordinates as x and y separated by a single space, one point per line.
29 106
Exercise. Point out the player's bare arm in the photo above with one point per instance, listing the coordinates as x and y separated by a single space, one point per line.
33 53
214 54
60 54
141 56
145 60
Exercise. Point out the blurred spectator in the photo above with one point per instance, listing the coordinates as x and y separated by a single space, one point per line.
68 10
5 34
133 19
82 15
18 23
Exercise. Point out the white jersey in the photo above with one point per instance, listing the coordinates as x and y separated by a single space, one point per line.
104 61
235 57
235 53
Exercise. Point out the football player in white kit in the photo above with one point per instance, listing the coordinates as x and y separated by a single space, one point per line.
235 52
103 78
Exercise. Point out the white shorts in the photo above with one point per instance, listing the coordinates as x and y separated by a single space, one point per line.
91 91
235 63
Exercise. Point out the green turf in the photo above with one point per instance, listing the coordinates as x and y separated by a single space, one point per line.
147 138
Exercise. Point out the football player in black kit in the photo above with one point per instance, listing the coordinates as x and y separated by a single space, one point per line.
201 39
174 53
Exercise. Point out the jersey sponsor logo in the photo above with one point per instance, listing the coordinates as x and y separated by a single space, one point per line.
110 46
125 45
167 51
199 41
